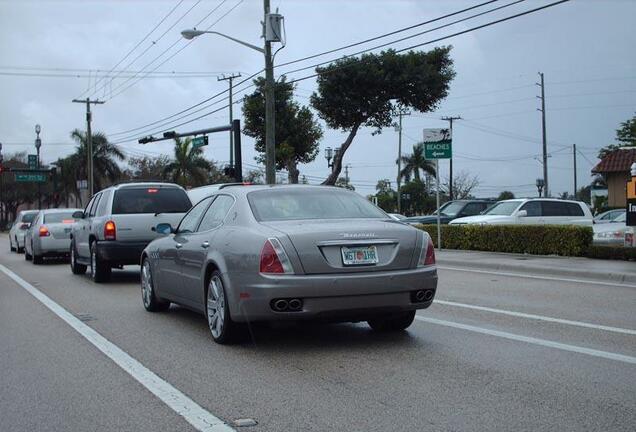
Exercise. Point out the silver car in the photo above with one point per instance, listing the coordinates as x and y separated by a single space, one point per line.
611 234
266 253
49 235
19 228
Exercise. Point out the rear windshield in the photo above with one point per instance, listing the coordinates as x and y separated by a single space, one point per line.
65 217
28 217
150 200
327 203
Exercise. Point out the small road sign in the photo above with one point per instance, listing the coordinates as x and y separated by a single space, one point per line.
33 161
82 184
25 177
199 141
437 144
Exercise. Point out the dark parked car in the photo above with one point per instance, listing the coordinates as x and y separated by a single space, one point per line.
452 210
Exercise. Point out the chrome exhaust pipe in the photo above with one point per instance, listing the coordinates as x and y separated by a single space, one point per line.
295 304
420 295
281 305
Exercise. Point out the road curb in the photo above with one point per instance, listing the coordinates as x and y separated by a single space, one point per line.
541 270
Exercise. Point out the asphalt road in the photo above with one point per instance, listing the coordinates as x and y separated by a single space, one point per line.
496 353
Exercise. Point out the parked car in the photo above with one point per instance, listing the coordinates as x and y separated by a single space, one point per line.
608 216
49 234
19 228
118 223
452 210
611 234
267 253
534 211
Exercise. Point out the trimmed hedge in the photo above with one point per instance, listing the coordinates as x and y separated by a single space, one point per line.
612 252
565 240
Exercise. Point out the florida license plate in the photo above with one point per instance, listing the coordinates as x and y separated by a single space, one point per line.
364 255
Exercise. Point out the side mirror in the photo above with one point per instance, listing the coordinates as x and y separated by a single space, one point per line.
164 228
78 215
522 213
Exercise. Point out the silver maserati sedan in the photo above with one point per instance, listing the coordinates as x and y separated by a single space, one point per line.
266 253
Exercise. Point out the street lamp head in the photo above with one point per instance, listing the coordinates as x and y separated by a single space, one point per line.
37 128
328 153
191 33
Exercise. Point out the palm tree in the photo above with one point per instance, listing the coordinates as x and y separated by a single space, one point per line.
412 164
105 158
189 167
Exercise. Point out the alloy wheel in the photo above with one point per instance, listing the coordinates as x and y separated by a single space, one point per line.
216 306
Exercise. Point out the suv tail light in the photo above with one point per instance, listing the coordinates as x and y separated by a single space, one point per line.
110 230
274 259
427 254
44 231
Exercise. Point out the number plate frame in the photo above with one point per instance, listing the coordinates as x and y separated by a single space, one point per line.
351 255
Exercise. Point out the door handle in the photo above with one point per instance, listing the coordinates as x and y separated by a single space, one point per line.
205 244
178 245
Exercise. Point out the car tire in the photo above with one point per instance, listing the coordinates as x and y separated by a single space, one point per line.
76 268
36 259
27 256
100 270
217 312
17 246
11 248
151 301
392 322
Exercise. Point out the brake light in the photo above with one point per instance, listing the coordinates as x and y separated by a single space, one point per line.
44 231
274 259
110 231
153 190
427 255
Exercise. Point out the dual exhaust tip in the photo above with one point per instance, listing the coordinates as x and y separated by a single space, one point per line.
287 305
421 296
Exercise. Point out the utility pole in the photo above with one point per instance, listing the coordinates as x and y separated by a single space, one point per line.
89 141
230 79
399 160
347 166
270 132
38 144
450 177
574 156
546 189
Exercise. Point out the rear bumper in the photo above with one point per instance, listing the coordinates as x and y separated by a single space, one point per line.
52 246
353 297
121 253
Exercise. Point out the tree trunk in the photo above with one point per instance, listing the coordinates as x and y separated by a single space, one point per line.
337 160
292 169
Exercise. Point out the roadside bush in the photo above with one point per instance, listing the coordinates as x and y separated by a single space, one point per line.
612 252
566 240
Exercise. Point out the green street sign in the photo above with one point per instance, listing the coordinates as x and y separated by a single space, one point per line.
438 144
199 141
33 161
30 177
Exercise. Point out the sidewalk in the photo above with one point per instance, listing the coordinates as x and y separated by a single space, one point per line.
576 268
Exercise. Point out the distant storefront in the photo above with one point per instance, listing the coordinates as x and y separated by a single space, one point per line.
615 169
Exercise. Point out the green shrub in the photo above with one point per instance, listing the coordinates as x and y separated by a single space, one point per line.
566 240
612 252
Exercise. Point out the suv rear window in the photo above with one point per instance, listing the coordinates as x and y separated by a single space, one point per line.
150 200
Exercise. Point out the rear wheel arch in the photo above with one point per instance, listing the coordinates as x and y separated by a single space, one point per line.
210 268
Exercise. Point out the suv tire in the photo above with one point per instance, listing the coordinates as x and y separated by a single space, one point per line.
76 267
392 322
100 270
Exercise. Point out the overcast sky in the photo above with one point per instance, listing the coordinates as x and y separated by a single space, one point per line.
584 47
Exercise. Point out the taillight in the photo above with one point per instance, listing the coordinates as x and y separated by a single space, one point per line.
110 231
274 259
427 254
44 231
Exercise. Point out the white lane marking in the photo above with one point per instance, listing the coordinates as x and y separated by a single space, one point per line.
527 276
530 340
193 413
538 317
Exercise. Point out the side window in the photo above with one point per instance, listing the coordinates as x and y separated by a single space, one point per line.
103 202
574 209
533 208
93 209
472 209
216 213
191 219
89 205
555 208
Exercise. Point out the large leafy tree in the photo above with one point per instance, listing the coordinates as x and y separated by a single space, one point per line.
148 168
386 196
188 168
297 132
368 91
415 162
106 157
15 193
625 135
